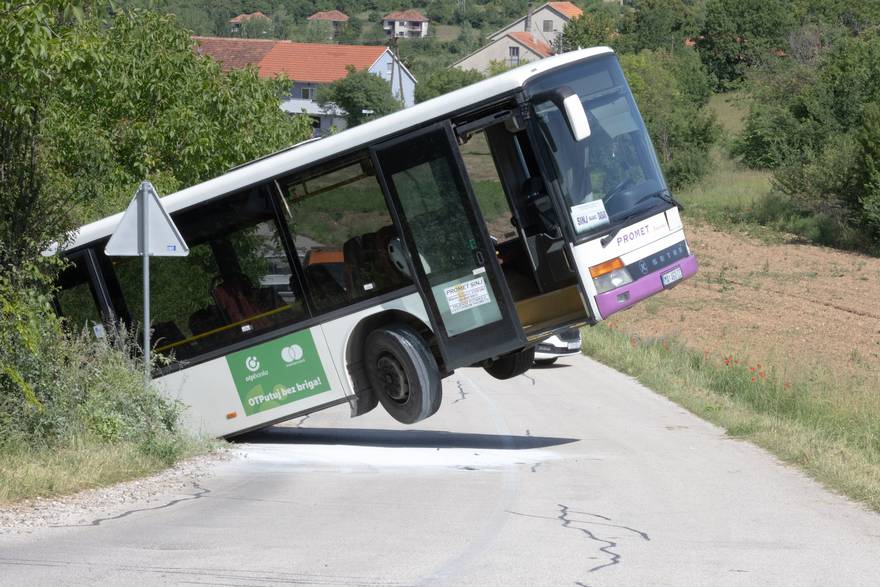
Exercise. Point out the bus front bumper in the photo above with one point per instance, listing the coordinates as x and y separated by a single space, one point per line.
627 295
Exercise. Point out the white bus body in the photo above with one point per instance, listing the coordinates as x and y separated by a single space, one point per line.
359 268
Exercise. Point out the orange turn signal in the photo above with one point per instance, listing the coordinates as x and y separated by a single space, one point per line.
606 267
231 415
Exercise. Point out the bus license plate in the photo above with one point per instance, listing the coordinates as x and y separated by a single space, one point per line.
671 277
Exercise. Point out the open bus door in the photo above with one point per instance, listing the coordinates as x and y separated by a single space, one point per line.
452 256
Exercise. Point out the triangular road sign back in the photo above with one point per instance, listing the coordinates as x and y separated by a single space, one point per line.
163 240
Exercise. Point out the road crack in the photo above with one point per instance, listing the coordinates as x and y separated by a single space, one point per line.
202 492
461 392
569 519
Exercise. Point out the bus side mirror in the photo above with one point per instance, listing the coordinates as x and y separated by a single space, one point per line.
571 107
576 117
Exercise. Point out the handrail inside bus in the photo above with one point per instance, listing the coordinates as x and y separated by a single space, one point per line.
222 328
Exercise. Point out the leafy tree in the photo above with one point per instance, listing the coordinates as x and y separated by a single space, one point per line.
257 28
868 167
146 106
660 24
314 31
362 95
600 26
444 81
816 123
681 129
54 390
35 56
739 34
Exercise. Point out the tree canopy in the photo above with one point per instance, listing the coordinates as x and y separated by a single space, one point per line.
362 95
444 81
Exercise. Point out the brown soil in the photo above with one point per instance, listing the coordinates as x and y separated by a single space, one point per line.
790 306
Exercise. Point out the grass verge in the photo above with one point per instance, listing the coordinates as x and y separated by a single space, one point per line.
826 425
27 473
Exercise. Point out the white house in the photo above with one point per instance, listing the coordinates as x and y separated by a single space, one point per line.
311 65
510 50
545 22
405 23
526 39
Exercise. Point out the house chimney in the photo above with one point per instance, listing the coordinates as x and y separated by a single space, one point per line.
529 19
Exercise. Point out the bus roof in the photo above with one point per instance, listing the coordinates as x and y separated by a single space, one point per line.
310 151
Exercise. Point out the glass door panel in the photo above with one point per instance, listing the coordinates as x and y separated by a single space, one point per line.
453 256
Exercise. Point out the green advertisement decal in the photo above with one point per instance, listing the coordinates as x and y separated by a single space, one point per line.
278 372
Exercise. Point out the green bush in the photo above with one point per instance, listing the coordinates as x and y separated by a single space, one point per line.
817 124
671 91
58 389
444 81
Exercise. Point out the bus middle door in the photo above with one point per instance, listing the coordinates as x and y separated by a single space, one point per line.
452 256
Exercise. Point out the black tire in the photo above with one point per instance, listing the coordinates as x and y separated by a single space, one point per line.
544 362
510 365
403 373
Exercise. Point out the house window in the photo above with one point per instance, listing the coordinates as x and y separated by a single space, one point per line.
307 93
513 55
548 26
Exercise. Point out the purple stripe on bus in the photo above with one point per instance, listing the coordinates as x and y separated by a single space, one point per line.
640 289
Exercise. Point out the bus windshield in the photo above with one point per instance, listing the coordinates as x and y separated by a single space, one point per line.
614 172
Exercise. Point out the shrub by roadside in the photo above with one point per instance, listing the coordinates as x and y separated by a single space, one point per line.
74 411
810 421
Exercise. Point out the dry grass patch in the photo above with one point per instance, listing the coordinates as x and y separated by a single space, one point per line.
27 473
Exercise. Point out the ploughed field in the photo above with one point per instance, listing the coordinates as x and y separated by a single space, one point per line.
788 307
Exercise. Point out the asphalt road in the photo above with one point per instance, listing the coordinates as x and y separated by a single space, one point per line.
572 475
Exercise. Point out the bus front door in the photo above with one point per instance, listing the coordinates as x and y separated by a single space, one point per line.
452 257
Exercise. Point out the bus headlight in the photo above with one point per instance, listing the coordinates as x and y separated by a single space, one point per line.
612 280
609 275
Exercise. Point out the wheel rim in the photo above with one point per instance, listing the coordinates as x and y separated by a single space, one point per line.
393 378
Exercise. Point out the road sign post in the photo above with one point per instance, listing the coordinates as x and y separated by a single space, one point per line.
146 230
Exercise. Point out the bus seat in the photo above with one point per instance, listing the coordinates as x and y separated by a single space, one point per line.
325 290
383 265
235 296
355 265
205 319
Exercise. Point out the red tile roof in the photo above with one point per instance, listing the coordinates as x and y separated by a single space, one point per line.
333 15
314 62
566 8
539 47
234 53
249 16
410 15
303 62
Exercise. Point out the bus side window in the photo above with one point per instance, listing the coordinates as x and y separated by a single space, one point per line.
77 299
344 235
235 283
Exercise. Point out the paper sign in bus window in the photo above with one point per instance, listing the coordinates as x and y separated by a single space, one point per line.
589 215
467 295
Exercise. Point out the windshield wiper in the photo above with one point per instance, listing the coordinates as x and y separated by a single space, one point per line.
662 194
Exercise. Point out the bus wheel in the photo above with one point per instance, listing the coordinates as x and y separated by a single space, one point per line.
510 365
403 373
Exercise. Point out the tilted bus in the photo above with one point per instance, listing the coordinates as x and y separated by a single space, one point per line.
361 268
